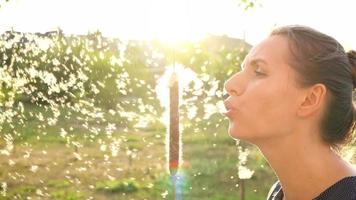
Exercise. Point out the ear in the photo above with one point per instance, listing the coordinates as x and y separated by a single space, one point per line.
313 100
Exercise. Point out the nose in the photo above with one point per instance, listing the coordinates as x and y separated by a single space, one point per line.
234 85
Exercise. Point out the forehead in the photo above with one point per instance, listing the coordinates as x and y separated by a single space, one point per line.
274 50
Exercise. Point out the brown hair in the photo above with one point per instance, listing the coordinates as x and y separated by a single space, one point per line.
319 58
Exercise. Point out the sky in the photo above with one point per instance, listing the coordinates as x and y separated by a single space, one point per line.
176 20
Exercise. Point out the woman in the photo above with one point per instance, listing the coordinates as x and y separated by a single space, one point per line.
293 100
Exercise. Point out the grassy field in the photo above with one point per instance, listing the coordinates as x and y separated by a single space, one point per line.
126 164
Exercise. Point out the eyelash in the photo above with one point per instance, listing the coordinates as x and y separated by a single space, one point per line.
259 73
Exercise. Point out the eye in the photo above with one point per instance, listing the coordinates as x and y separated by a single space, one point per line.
258 72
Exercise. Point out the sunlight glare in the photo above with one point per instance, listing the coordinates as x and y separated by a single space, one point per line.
185 76
170 21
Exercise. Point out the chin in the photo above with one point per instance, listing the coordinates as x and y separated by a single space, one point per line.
247 136
237 134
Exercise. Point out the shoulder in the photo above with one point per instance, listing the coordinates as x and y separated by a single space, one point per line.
273 190
343 189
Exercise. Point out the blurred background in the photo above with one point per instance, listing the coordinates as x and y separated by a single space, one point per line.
84 95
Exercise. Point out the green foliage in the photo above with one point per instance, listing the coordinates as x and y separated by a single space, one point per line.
71 105
90 73
249 4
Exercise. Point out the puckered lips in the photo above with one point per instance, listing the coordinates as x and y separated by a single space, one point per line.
230 109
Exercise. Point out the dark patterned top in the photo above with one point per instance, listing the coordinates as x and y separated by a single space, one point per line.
344 189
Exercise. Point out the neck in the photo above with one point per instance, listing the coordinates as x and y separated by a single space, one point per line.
304 167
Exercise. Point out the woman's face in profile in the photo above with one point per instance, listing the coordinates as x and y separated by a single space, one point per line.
262 100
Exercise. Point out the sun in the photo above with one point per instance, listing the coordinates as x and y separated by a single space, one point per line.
170 21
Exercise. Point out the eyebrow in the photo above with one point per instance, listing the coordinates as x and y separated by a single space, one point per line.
254 62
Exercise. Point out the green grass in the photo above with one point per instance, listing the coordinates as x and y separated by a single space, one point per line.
114 186
58 183
137 171
67 195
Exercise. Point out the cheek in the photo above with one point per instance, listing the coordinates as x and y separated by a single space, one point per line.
263 113
253 115
273 112
260 100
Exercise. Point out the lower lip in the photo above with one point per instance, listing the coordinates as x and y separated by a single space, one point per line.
229 113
